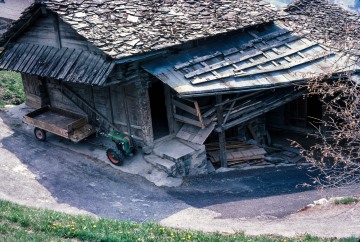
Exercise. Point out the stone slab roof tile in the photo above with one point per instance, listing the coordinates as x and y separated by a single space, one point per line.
122 28
327 23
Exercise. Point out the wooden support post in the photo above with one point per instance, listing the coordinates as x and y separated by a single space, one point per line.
222 138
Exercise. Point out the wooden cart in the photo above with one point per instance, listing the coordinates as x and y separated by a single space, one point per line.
60 122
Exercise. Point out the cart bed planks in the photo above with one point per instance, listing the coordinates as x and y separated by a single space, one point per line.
60 122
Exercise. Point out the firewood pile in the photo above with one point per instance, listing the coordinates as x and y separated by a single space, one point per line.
237 153
245 155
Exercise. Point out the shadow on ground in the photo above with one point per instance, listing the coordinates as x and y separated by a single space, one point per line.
94 186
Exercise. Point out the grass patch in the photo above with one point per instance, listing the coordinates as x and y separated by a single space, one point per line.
11 88
346 200
19 223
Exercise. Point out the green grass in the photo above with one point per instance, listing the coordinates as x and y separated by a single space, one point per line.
19 223
346 200
11 88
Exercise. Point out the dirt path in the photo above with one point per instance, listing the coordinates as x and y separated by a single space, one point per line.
323 221
20 185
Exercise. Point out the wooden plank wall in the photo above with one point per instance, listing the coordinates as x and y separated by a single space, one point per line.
57 98
51 31
120 104
36 95
71 39
41 32
101 101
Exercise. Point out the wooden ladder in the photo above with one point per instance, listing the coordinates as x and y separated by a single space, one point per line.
96 117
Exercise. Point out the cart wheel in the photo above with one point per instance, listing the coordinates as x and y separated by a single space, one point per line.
40 134
114 157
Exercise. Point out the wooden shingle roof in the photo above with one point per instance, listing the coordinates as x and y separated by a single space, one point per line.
123 28
69 65
272 56
327 23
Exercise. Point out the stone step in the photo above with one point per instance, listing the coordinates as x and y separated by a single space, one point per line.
163 164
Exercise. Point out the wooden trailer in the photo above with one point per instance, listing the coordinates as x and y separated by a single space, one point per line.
61 122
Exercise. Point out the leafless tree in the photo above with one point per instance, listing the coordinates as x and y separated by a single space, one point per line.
337 154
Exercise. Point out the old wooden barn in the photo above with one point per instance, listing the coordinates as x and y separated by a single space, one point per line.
173 75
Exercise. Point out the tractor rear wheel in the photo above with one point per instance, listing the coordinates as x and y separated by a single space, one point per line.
115 157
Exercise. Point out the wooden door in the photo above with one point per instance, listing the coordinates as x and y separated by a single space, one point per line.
35 91
125 109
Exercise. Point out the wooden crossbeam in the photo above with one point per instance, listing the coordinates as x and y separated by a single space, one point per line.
194 111
230 51
259 111
249 54
230 109
197 60
184 107
241 73
238 98
187 120
283 67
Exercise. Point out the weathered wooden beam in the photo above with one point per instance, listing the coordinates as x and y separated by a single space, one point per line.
57 31
221 132
254 64
184 107
284 67
143 103
238 98
250 54
230 109
169 110
187 120
260 111
252 132
198 113
197 60
75 98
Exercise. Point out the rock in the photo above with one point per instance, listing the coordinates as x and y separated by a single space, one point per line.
321 201
147 150
210 167
252 142
132 19
223 169
80 15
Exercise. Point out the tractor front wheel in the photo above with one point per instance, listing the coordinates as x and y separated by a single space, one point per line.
115 157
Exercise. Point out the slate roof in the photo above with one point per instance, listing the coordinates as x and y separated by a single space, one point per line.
272 56
122 28
327 23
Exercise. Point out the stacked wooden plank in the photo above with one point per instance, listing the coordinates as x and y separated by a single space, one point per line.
237 153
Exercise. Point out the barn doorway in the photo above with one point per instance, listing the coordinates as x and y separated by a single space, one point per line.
314 111
158 110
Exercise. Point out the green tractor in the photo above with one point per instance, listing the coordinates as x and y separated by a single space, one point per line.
125 146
